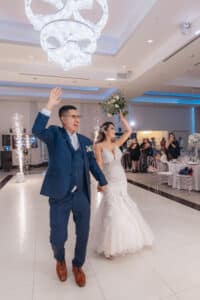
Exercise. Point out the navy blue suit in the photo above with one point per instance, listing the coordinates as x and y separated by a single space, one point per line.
67 168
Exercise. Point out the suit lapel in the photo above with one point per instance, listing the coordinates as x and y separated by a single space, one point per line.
66 138
81 144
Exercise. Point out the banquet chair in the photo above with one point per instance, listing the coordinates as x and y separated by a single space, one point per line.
163 177
184 182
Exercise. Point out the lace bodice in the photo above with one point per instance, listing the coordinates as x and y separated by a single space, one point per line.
112 166
108 156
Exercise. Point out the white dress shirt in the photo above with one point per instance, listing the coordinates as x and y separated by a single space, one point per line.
74 140
46 112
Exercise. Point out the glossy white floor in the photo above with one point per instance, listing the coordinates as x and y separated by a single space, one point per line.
169 271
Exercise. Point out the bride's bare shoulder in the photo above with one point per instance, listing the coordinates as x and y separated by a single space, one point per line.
98 146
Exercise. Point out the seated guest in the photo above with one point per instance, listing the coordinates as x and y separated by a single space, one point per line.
147 147
134 150
153 144
163 145
172 147
161 161
126 161
145 151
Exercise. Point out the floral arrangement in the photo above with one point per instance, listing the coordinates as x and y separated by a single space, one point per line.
194 139
113 105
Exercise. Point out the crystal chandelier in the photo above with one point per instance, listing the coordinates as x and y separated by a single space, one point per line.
66 36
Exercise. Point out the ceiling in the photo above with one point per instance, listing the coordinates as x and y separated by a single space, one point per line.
170 63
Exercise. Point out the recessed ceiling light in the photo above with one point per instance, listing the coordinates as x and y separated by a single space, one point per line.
150 41
111 78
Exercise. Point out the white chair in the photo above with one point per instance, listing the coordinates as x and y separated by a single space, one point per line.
163 177
184 182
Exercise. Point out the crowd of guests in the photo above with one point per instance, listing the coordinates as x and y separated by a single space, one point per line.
139 157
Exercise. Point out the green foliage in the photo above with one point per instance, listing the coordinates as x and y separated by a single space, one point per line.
114 104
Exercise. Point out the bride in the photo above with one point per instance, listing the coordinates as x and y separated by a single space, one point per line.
119 227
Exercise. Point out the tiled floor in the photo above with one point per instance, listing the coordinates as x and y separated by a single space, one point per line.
150 180
169 271
33 170
4 174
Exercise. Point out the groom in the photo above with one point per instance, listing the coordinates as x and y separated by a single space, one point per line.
67 182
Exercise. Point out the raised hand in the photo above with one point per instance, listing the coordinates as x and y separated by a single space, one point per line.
121 116
54 98
123 138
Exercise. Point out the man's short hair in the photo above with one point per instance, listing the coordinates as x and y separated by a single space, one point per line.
64 109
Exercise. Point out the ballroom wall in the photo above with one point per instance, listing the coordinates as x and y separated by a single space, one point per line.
8 109
90 114
160 118
197 117
146 118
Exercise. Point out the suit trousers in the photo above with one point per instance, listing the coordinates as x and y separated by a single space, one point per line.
60 209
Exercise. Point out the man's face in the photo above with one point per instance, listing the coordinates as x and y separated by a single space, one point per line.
71 120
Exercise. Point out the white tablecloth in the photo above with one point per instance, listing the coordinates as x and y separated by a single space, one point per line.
177 166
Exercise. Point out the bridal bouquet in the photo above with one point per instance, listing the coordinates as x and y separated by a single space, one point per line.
113 105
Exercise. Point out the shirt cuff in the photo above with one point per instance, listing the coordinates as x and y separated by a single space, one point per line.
46 112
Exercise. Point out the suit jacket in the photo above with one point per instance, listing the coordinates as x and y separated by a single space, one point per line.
56 183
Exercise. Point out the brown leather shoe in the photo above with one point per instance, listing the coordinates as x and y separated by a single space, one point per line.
79 276
61 270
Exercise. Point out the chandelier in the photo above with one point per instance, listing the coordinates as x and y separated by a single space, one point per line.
66 36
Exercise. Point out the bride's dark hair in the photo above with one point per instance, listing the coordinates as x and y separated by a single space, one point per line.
104 127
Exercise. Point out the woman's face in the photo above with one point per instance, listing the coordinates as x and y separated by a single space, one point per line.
134 141
110 132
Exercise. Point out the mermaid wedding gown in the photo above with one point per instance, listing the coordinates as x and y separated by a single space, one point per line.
119 227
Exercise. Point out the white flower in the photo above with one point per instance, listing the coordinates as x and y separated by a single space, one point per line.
89 148
194 139
112 105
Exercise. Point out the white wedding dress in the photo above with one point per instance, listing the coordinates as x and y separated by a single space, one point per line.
119 227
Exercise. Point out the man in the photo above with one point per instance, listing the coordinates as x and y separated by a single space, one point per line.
67 182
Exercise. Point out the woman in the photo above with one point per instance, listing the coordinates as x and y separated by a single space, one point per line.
134 150
119 227
163 145
146 152
172 146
